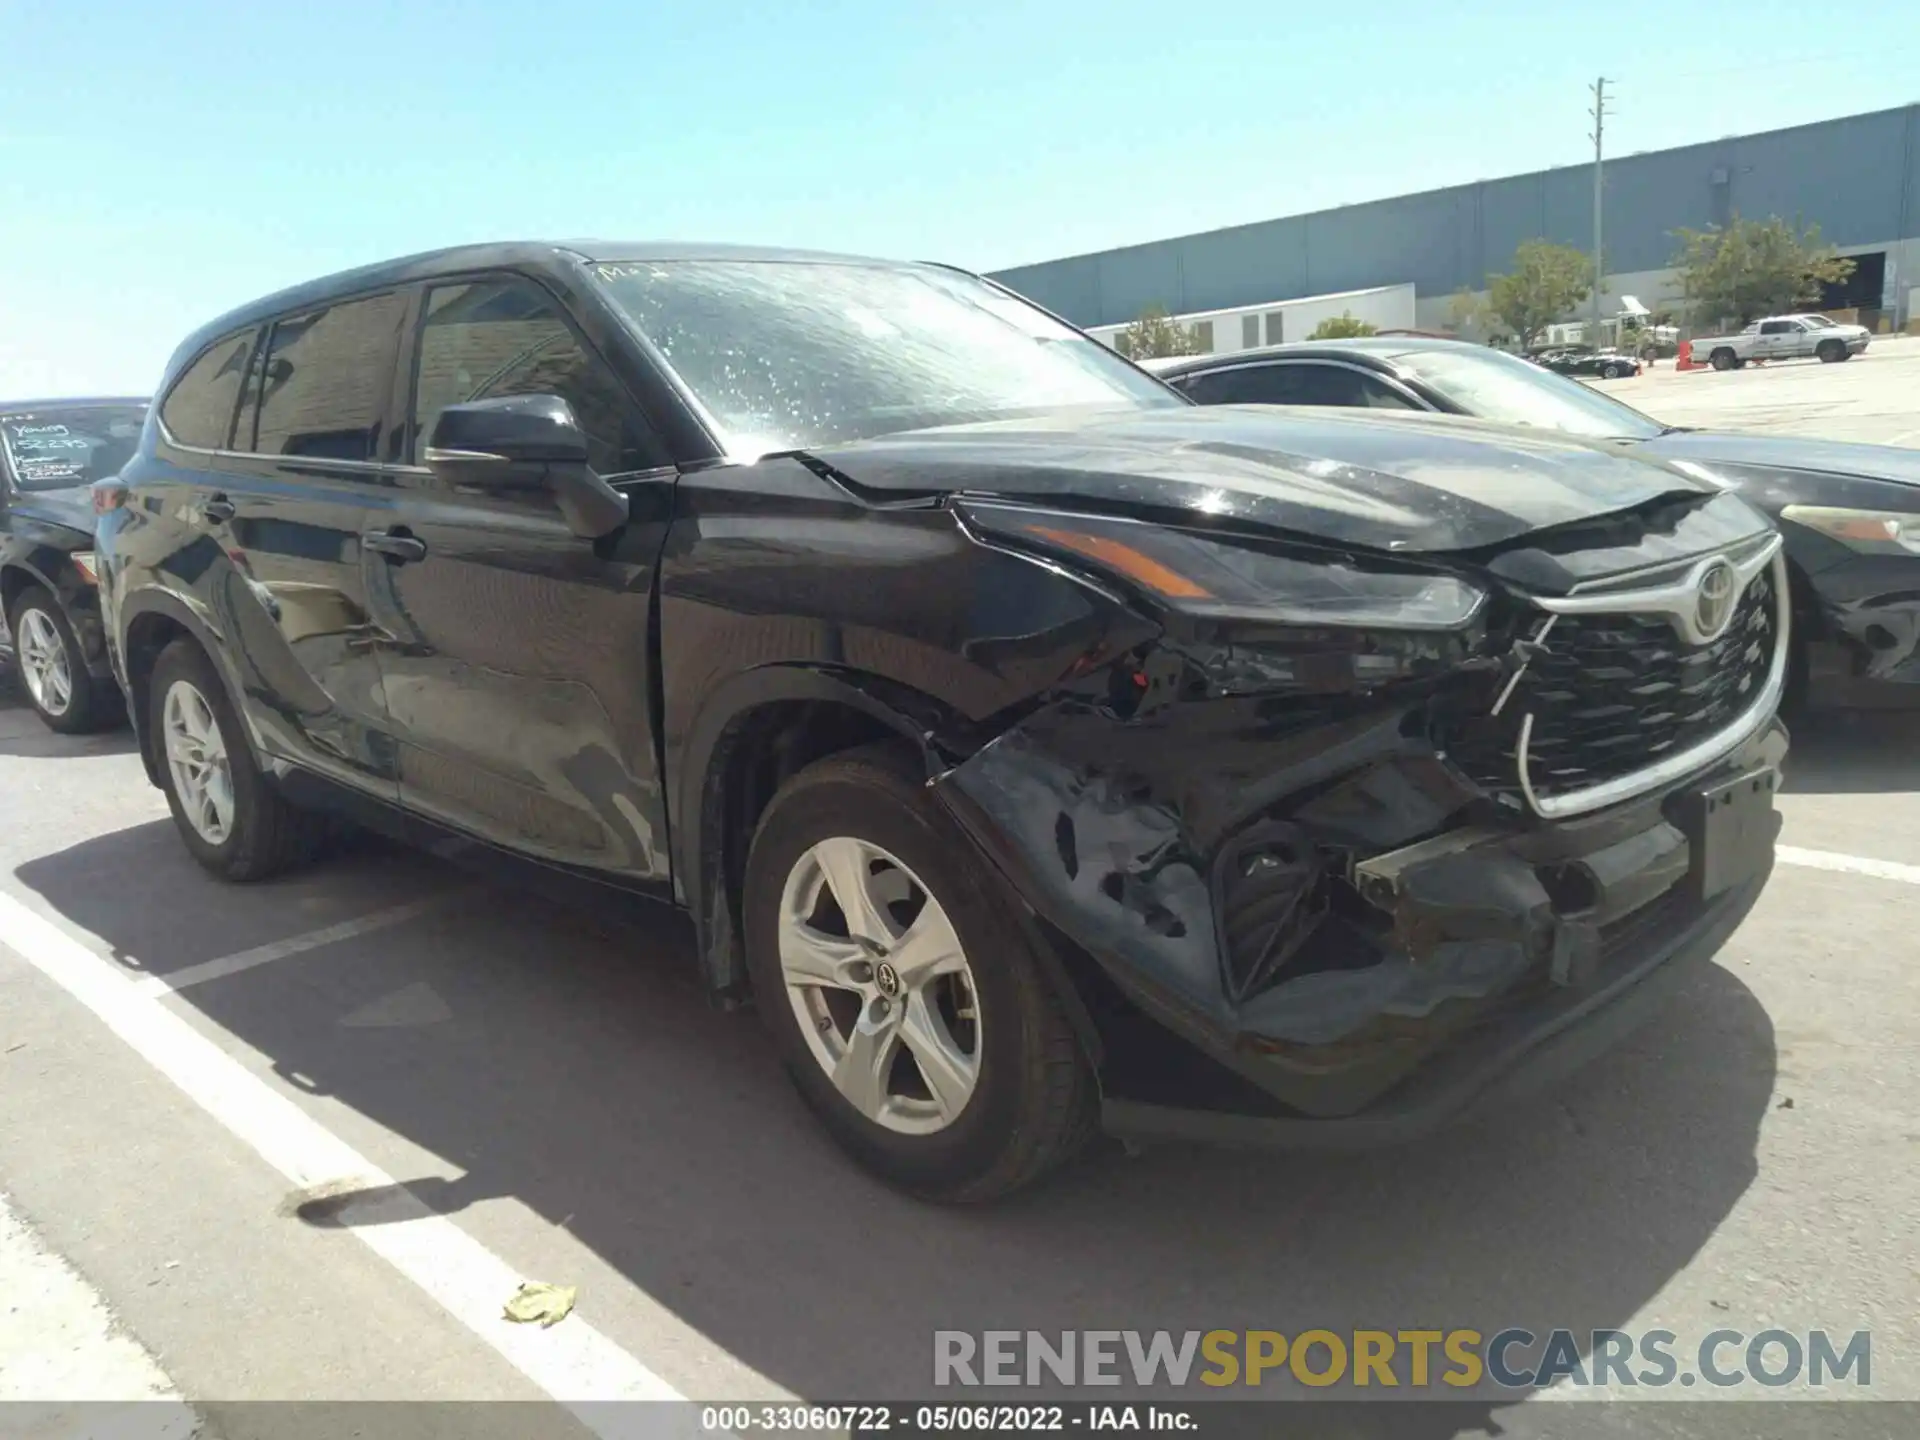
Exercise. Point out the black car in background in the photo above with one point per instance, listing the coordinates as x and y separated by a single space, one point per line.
1580 360
1035 748
1850 512
51 451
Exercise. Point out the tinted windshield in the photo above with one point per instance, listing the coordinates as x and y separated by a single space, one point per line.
64 446
1504 388
786 355
1818 322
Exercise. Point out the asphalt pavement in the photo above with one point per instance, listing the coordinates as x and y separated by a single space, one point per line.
301 1139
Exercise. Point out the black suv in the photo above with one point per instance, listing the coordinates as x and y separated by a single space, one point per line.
51 452
1035 747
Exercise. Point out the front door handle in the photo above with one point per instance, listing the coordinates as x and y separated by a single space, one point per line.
396 546
219 510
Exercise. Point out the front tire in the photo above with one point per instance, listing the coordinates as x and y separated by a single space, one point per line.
1831 352
908 1004
53 667
230 816
1611 372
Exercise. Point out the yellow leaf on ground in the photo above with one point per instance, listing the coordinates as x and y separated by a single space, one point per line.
536 1300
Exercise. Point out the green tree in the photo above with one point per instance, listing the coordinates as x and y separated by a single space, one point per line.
1342 327
1471 317
1753 268
1156 335
1546 283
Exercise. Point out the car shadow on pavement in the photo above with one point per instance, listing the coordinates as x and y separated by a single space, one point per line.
1845 754
23 732
579 1071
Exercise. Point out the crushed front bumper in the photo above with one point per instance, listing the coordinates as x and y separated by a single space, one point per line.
1454 963
1523 1053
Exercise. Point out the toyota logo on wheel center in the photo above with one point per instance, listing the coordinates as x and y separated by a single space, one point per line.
887 978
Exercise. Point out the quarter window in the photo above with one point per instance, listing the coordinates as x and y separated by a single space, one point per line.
198 411
489 339
324 380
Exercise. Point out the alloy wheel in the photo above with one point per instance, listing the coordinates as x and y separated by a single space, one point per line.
197 759
44 665
880 985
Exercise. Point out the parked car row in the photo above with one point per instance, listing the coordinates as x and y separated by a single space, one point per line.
1584 360
1038 750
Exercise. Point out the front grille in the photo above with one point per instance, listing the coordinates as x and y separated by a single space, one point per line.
1616 693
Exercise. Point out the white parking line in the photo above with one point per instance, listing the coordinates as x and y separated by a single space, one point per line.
572 1362
280 949
1848 864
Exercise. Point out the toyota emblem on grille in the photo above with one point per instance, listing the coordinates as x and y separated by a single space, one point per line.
1713 600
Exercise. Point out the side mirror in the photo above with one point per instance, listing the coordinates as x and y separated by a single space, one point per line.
524 444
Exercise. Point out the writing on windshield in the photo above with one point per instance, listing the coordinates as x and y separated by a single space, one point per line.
61 448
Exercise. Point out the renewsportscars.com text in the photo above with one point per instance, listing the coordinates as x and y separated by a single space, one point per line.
1515 1359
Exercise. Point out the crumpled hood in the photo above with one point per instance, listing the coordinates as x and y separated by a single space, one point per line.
1387 482
1788 452
70 509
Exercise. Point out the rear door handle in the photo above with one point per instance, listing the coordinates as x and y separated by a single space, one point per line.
219 510
396 546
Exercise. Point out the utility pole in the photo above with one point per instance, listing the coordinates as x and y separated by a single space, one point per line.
1599 113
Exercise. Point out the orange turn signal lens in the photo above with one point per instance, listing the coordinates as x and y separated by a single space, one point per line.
1125 560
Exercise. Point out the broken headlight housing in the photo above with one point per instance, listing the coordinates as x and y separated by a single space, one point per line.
1236 577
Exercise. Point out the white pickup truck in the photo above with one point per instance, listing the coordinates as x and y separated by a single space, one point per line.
1782 337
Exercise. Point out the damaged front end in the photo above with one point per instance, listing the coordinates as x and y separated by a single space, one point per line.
1331 875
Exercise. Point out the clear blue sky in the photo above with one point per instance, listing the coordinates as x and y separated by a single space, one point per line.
160 162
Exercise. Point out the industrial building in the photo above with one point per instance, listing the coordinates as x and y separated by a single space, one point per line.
1857 178
1244 327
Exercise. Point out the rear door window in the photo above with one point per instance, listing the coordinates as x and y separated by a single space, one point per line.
198 411
1297 383
1246 385
324 379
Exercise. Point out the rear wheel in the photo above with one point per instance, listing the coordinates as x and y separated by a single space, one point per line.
1721 359
910 1008
232 819
1831 352
53 667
